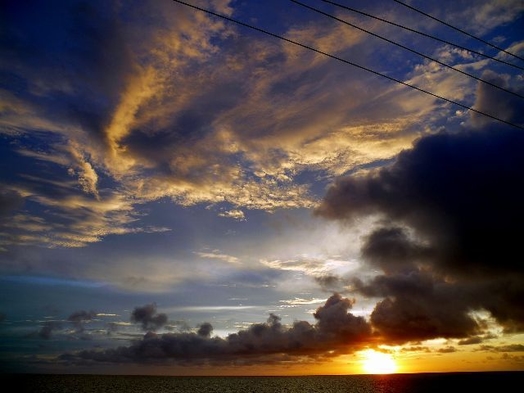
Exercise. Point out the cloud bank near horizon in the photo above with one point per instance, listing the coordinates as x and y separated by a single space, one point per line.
335 331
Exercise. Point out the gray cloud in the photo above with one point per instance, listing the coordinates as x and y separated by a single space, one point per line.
497 102
391 249
115 102
457 192
336 331
80 317
418 307
148 317
205 329
448 209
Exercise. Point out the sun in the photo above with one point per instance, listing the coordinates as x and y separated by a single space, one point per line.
374 362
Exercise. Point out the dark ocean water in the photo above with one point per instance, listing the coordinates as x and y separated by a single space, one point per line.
427 383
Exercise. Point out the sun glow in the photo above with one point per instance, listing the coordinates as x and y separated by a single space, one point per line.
374 362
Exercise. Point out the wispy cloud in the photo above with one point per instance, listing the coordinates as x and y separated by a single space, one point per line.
148 126
216 254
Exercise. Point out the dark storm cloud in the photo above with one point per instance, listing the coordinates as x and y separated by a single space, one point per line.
449 211
419 307
335 331
391 249
460 193
148 317
497 102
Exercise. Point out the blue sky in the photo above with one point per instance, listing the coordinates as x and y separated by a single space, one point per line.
164 169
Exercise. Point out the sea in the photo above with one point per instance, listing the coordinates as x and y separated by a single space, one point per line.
392 383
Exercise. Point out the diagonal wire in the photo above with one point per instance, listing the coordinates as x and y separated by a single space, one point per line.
409 49
348 62
423 34
459 30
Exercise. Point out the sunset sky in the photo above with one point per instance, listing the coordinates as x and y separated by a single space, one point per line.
182 194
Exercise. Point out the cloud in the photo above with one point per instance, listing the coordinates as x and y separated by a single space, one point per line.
490 14
456 191
315 266
122 118
448 349
336 331
392 249
487 15
205 329
417 307
215 254
446 211
87 176
80 317
83 218
300 301
82 107
504 348
497 102
235 214
148 317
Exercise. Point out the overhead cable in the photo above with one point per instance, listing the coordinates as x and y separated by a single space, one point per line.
225 17
424 34
408 49
459 30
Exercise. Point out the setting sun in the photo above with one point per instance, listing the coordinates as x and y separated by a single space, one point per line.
374 362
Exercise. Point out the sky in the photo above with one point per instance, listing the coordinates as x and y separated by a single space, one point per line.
183 194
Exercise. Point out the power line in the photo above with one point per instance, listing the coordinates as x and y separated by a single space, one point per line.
459 30
347 62
424 34
408 49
